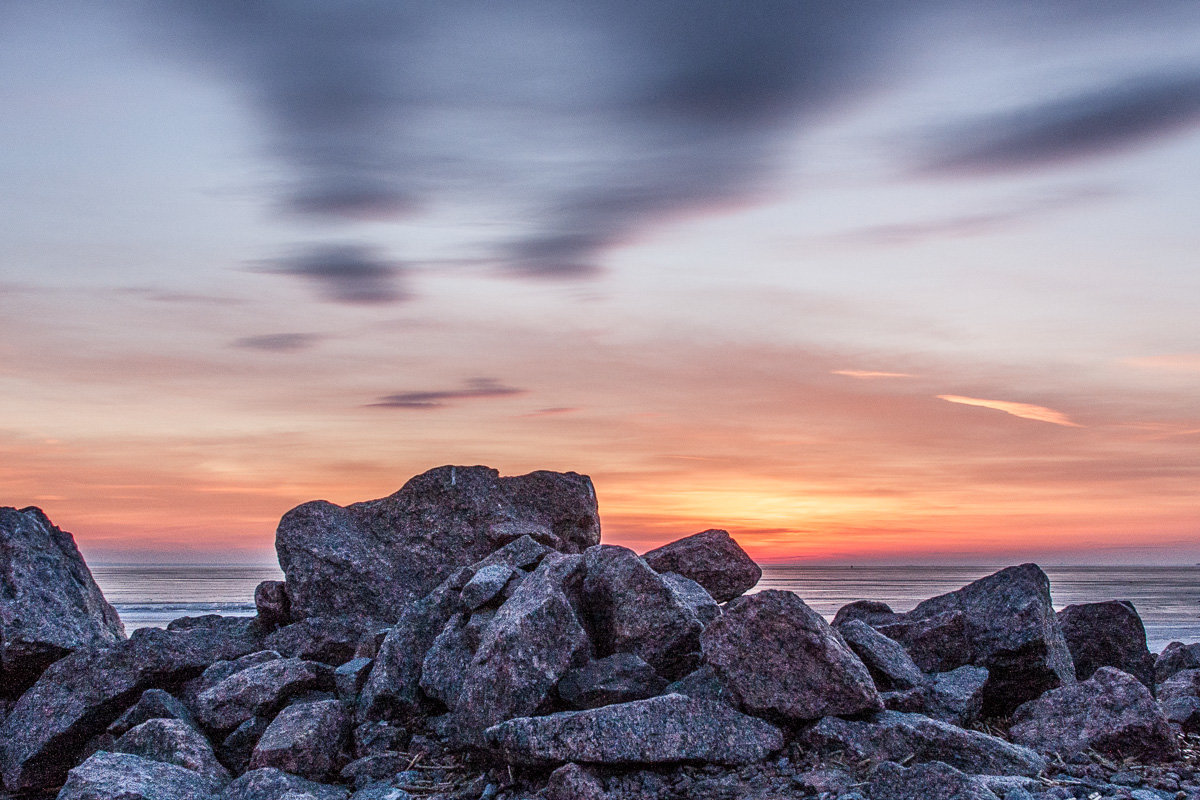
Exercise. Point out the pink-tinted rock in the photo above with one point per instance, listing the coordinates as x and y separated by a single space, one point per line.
305 739
712 559
1108 634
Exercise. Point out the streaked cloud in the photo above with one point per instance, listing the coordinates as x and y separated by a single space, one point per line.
346 273
1022 410
439 398
866 373
278 342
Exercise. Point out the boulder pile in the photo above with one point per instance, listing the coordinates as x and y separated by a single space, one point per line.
470 638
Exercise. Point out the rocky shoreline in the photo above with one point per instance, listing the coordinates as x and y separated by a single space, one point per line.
470 638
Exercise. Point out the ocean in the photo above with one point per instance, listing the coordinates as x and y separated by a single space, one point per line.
1167 598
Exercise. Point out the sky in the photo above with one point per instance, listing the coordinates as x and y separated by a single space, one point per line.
860 282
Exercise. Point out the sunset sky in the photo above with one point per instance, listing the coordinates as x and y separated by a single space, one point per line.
860 282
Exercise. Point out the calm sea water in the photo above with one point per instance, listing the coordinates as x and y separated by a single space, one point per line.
1167 598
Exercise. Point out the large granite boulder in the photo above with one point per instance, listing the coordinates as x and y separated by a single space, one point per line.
1174 657
1179 696
274 784
121 776
779 659
901 737
305 739
79 696
888 662
373 558
1108 634
1111 713
932 781
1003 622
174 742
632 609
49 604
259 691
712 559
660 730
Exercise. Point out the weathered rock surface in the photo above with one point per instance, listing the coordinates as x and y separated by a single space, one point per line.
349 678
1003 622
660 730
1179 696
259 690
694 596
273 784
120 776
236 749
957 696
486 585
1107 634
304 739
901 737
779 659
443 669
1111 713
373 558
619 678
1174 657
271 603
632 609
703 684
886 659
49 604
80 695
533 641
331 640
871 612
153 704
932 781
218 671
712 559
572 782
174 742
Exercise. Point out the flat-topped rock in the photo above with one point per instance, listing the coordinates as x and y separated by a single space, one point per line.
712 559
49 603
373 558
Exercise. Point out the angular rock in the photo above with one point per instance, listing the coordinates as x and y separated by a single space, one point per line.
1111 713
1003 622
220 670
632 609
703 684
372 738
572 782
1174 657
486 585
271 603
694 596
1179 696
712 559
153 704
174 742
237 747
957 696
273 784
331 640
120 776
444 667
80 695
1107 634
901 737
888 662
779 659
872 612
305 739
369 769
932 781
374 558
533 641
348 679
49 603
259 691
619 678
660 730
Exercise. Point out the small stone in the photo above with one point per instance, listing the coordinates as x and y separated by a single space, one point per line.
348 679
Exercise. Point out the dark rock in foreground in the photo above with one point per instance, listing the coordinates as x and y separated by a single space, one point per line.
1108 634
49 604
305 739
888 662
153 704
712 559
1179 696
259 690
662 730
371 559
174 742
619 678
120 776
1111 713
274 784
1174 657
932 781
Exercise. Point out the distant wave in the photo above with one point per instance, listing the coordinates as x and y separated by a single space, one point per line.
185 609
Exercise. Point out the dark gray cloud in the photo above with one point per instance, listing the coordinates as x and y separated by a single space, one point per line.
1116 117
439 398
345 273
278 342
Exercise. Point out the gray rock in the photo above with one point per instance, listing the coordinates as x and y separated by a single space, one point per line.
79 696
369 769
572 782
1107 634
932 781
957 696
694 596
1179 696
120 776
888 662
331 640
381 791
632 609
1174 657
618 678
445 664
522 553
349 678
374 558
1003 622
872 612
901 737
533 641
712 559
174 742
271 603
305 739
259 691
702 684
1111 713
237 747
660 730
273 784
779 659
372 738
49 604
153 704
486 585
220 670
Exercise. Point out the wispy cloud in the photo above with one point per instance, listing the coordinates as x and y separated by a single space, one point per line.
1175 362
345 273
1022 410
278 342
866 373
551 412
439 398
